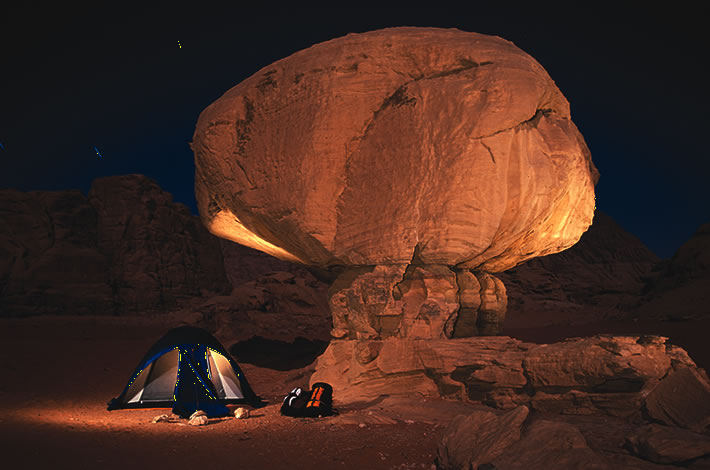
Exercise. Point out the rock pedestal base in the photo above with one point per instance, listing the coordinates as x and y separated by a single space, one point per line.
416 301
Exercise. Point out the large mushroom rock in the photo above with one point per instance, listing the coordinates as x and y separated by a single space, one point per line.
376 151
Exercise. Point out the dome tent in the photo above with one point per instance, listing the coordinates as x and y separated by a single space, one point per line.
188 370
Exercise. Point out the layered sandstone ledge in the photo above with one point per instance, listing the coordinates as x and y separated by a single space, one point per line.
612 375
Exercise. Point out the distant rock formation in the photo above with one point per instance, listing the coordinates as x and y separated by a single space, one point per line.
50 262
126 249
680 289
275 305
600 277
412 158
270 298
243 264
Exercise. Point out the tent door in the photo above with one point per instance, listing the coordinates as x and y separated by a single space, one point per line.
157 381
223 377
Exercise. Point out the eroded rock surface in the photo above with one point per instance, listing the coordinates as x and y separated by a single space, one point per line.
276 306
416 301
620 376
490 440
158 254
478 438
49 257
550 445
457 151
126 249
665 444
456 143
682 398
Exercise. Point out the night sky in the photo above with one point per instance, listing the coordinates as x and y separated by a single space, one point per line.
116 79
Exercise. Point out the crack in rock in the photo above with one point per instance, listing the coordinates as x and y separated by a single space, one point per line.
490 152
539 113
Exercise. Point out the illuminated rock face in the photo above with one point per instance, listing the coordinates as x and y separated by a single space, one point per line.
416 301
374 149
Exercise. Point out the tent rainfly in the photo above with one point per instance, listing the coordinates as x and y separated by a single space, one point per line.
188 370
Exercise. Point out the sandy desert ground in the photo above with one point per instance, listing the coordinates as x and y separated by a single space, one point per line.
59 372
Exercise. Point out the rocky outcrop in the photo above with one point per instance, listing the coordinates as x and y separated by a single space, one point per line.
158 252
601 375
478 438
691 261
126 249
681 288
49 260
416 301
457 153
276 306
600 277
243 264
682 398
552 445
665 444
486 440
610 273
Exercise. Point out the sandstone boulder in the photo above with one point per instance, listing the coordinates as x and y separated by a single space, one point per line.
550 445
487 440
682 398
359 150
457 153
478 438
664 444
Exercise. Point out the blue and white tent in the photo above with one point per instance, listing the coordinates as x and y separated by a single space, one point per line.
188 370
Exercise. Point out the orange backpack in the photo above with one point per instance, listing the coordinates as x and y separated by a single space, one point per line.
313 403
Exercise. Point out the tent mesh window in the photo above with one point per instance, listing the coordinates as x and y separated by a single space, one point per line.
160 377
222 376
